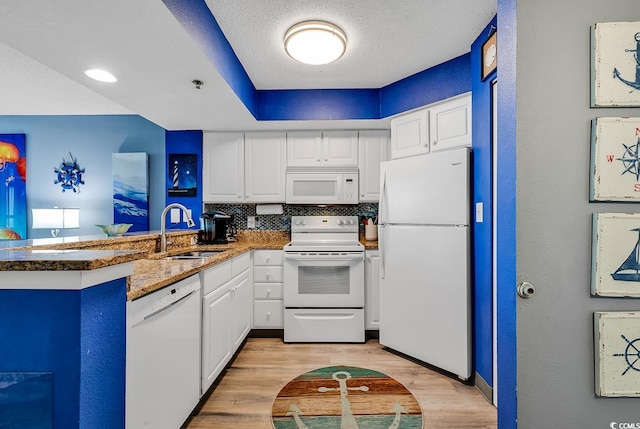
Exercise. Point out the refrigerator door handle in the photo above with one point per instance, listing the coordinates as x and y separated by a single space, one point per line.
381 228
383 193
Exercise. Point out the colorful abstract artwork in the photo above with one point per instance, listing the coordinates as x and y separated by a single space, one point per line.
13 189
615 63
341 397
615 159
182 174
617 353
131 190
615 256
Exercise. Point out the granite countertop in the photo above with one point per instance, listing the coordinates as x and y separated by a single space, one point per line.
156 272
35 259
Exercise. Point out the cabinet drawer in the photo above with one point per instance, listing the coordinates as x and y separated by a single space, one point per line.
268 274
216 276
267 290
267 257
268 314
240 264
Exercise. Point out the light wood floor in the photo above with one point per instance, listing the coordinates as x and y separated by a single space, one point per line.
245 394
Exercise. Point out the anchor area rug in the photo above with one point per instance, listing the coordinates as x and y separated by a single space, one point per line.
345 397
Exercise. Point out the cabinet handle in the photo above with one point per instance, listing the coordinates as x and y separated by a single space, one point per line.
268 259
268 292
268 275
268 315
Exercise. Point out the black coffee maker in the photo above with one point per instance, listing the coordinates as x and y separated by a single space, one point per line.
214 227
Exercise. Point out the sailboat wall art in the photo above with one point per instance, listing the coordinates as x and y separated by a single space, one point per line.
615 159
615 265
615 64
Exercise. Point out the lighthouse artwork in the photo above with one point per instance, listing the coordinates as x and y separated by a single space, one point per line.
182 173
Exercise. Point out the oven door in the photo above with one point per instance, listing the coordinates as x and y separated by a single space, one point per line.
324 279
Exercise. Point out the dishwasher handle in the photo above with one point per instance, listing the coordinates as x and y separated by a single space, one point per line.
171 304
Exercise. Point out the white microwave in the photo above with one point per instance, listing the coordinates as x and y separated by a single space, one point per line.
322 185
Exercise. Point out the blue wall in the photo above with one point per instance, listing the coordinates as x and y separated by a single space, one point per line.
91 140
482 192
80 337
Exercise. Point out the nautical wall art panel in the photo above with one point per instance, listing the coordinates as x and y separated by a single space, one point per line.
13 192
615 159
131 190
617 353
615 64
616 250
182 175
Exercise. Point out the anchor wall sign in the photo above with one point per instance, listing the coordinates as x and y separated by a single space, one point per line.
615 64
617 353
615 159
615 267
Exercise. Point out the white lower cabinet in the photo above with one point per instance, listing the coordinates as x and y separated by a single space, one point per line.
268 274
226 314
372 290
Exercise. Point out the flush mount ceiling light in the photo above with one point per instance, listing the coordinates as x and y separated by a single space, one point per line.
101 75
315 42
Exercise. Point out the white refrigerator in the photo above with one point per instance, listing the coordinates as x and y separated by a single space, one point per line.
424 240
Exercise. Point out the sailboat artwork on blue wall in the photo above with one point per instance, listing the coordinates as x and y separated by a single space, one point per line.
131 190
13 189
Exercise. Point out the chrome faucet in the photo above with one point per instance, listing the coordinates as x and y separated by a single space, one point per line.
163 221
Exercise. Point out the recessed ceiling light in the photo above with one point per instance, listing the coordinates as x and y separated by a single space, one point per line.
315 42
101 75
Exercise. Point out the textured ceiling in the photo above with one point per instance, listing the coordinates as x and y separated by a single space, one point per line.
46 45
386 40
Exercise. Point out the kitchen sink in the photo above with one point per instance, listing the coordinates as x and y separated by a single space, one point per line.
195 254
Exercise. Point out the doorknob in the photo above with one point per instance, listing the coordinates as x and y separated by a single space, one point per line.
526 290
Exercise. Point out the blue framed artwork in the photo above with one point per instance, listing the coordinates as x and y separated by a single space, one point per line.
13 193
131 189
182 175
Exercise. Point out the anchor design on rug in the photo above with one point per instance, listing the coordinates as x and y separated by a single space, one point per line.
616 74
348 420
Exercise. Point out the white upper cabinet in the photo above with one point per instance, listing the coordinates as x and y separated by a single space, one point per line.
223 167
340 148
316 148
438 126
450 123
373 148
410 134
265 166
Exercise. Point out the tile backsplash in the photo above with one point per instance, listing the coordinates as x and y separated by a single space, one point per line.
282 222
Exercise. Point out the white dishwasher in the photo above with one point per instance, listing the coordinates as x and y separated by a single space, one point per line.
163 356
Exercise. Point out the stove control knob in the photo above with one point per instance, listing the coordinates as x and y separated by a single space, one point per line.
350 221
340 221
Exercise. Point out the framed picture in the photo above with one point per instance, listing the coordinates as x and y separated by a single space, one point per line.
615 268
615 64
617 361
182 175
13 192
490 55
615 159
131 189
